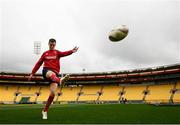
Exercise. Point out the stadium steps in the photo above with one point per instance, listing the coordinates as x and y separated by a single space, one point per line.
159 93
16 94
69 94
172 93
176 97
90 93
146 91
44 94
110 93
79 94
121 94
58 93
38 93
134 92
27 91
100 93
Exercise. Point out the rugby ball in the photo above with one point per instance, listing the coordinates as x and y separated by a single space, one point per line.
119 33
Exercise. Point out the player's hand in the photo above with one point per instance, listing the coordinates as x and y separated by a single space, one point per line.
30 77
75 49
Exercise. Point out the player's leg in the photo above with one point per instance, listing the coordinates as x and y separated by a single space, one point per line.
51 75
53 88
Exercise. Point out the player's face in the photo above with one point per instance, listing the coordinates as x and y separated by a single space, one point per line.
52 45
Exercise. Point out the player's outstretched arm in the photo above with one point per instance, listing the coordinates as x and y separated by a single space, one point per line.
75 49
67 53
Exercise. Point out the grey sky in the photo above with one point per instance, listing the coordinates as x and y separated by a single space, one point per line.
153 39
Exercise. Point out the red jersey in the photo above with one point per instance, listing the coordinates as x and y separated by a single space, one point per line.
51 59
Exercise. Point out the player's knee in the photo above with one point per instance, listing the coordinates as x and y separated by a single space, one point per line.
51 75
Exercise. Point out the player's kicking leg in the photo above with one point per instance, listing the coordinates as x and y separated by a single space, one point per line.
51 75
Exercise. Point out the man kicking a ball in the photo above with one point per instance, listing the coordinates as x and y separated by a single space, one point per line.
51 69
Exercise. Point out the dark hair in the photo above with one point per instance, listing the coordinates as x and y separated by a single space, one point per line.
52 40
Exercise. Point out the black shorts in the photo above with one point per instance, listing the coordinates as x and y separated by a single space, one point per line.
44 71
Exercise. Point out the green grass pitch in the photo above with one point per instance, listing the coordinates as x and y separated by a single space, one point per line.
90 113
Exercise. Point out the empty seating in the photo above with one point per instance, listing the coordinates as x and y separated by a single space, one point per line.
44 94
28 91
69 94
110 93
159 93
176 97
7 93
134 92
89 93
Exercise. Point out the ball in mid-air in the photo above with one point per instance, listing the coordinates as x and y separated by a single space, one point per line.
118 33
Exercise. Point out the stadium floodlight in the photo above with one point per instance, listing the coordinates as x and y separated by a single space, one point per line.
37 47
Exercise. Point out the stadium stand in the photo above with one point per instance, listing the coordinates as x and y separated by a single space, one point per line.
69 94
134 92
159 93
110 93
149 85
176 98
7 93
90 93
28 92
43 94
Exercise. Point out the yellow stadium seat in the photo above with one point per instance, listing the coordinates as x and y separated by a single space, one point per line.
7 93
89 93
134 92
176 97
159 93
69 93
28 91
110 93
44 94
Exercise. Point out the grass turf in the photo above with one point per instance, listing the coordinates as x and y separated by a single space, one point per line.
90 113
